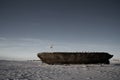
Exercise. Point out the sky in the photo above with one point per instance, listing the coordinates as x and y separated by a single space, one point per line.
28 27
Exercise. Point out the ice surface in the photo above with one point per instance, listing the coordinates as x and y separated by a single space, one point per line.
35 70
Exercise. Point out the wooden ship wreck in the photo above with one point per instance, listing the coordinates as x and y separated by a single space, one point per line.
75 57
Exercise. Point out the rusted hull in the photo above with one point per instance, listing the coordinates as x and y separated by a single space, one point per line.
75 57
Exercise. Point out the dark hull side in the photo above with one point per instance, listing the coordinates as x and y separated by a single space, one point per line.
75 57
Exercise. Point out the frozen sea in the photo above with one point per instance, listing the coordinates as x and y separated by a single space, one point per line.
35 70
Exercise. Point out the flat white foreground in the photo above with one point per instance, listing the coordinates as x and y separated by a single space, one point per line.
35 70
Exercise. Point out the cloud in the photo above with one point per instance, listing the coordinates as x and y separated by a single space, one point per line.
22 47
22 42
29 47
2 39
30 39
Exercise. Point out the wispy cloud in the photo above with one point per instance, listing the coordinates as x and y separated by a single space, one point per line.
2 38
22 47
29 47
21 42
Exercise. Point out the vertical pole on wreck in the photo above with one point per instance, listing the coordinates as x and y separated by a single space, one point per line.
51 48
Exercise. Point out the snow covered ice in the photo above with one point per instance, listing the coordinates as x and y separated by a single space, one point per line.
35 70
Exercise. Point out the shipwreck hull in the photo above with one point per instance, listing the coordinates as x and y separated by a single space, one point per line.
75 57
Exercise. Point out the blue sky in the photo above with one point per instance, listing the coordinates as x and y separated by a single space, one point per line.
31 26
